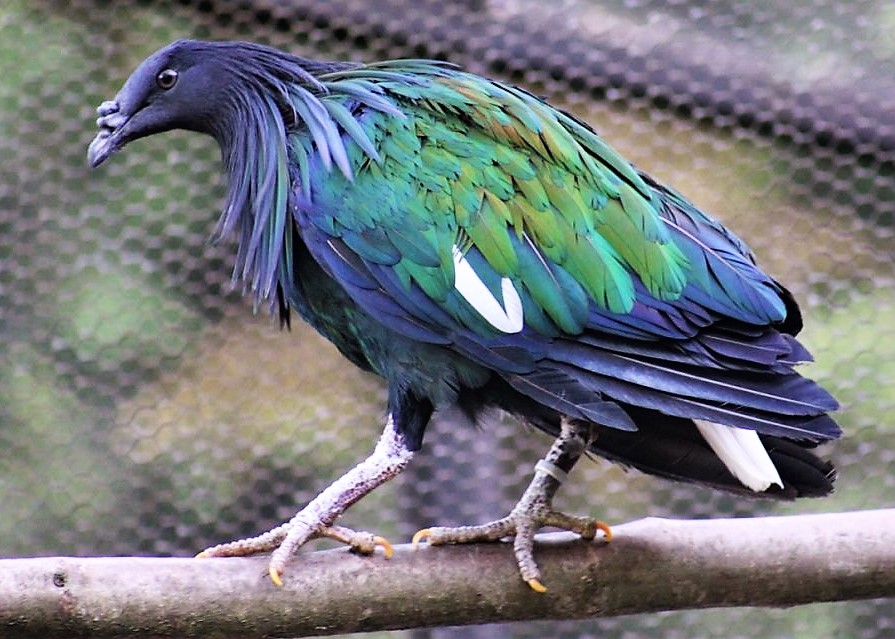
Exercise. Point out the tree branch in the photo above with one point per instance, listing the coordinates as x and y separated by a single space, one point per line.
652 564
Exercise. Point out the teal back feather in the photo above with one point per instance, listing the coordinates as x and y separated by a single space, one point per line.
403 160
483 165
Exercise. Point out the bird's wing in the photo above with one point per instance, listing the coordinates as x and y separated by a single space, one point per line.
522 191
502 228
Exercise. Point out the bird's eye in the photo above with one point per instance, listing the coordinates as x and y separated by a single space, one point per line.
166 79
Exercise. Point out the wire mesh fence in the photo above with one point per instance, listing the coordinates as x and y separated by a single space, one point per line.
145 409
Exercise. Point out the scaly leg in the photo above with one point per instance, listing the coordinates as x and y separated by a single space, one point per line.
533 510
315 520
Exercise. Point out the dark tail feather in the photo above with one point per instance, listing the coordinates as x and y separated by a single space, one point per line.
667 446
810 475
807 427
671 447
558 391
785 394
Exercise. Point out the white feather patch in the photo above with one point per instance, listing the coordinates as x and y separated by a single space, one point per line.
743 453
506 317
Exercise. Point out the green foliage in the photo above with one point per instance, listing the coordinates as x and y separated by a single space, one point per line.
857 339
49 454
110 317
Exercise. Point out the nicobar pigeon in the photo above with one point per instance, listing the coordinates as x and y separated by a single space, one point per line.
480 249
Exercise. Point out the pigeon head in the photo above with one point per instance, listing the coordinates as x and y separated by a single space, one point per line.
198 86
175 88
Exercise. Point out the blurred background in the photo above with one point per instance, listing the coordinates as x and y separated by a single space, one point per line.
146 409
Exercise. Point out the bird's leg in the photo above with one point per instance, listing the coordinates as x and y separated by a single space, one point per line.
315 520
534 510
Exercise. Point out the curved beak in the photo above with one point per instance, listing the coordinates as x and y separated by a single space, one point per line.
110 138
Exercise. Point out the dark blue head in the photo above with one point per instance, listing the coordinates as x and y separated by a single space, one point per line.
198 86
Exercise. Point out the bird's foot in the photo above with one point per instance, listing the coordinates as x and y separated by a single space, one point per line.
522 526
284 542
534 511
317 519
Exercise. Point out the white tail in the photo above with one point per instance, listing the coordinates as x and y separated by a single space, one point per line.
743 453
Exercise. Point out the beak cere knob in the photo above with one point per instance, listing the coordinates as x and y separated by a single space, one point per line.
110 116
106 142
107 108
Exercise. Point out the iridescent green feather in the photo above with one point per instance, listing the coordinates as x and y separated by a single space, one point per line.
494 168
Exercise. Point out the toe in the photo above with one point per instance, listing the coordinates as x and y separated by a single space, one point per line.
361 542
536 585
420 536
386 546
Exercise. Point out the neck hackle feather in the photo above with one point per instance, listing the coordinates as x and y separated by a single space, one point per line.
275 103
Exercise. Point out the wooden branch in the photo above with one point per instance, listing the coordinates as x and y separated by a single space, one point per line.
651 565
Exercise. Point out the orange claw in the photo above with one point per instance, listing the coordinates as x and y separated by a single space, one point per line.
275 577
536 585
419 536
386 547
607 531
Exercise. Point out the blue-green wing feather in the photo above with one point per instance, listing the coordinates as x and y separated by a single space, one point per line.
628 291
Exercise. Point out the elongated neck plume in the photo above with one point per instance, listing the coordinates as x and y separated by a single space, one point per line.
256 118
254 152
278 111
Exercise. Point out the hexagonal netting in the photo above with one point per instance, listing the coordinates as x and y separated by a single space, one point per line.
145 409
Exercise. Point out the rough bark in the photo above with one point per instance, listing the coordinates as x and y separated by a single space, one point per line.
651 565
